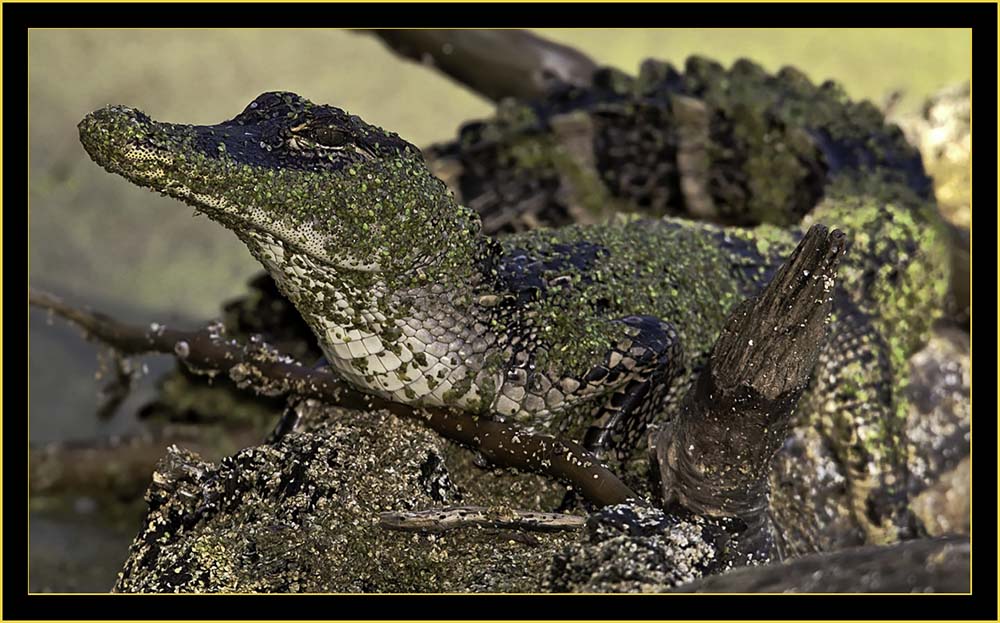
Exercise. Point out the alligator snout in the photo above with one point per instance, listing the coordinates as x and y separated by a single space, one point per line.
124 140
111 131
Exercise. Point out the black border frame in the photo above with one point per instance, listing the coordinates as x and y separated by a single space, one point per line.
18 18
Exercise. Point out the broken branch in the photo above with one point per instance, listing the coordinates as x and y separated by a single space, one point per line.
258 367
715 456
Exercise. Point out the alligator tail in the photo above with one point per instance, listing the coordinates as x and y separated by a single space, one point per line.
733 146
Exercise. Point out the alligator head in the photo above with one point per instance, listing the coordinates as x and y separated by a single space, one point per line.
368 245
318 180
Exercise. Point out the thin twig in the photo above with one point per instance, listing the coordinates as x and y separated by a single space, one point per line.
451 517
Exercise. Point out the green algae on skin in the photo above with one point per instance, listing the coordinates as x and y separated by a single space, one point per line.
895 274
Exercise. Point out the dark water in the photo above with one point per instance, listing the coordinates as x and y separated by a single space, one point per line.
74 544
76 552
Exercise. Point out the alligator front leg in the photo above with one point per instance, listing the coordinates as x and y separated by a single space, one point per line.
642 365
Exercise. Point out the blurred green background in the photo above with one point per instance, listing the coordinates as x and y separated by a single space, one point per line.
95 239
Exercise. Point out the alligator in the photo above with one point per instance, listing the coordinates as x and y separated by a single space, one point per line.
736 147
592 331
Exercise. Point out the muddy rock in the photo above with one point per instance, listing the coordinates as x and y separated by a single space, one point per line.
921 566
301 515
939 427
633 548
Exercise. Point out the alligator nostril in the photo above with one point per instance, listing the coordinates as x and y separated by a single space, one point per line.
106 132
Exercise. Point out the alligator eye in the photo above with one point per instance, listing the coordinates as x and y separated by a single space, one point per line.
330 137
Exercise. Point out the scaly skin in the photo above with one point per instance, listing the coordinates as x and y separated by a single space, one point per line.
600 325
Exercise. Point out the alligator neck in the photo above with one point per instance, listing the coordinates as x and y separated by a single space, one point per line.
412 345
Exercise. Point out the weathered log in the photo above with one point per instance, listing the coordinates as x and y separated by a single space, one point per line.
494 63
928 565
118 468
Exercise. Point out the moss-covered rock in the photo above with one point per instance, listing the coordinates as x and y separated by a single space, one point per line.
636 549
302 515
